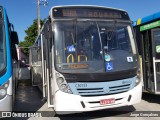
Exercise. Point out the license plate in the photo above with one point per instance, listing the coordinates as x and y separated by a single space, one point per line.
107 101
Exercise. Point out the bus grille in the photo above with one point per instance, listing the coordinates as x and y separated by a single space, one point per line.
102 91
102 88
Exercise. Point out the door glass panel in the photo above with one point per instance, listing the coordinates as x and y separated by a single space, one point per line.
156 38
35 62
148 60
156 54
158 76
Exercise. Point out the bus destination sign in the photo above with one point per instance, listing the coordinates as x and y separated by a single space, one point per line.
89 13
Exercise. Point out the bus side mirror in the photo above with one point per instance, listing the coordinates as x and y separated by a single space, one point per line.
14 37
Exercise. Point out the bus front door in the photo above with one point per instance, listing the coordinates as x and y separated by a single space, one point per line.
147 59
35 66
156 58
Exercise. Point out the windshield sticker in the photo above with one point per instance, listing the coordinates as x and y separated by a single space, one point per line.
71 48
107 57
109 66
130 59
76 66
158 49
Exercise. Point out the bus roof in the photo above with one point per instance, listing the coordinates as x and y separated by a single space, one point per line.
147 19
65 6
90 11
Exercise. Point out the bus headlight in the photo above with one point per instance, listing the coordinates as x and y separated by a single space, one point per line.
60 80
138 80
62 84
3 90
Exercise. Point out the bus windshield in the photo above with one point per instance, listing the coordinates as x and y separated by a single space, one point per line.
94 46
2 60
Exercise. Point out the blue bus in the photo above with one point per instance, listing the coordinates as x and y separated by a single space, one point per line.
8 62
147 31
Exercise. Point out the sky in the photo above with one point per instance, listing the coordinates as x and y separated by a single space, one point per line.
22 12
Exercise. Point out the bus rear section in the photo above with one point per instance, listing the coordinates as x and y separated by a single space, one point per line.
89 58
148 40
7 78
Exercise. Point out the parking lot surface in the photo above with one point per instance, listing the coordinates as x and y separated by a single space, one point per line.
29 99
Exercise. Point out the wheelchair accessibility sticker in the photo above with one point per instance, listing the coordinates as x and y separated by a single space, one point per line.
109 66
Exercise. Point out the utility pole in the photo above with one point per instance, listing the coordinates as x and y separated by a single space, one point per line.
39 25
40 2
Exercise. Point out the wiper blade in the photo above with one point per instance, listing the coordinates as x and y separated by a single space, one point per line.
111 31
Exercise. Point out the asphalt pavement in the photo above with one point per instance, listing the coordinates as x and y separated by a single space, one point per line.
29 100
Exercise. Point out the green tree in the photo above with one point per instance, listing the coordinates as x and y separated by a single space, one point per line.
31 34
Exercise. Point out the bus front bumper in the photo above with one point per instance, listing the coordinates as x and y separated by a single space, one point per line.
68 103
6 103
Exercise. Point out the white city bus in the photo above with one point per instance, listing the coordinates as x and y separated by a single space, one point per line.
85 59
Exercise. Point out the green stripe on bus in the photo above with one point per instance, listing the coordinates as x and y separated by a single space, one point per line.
150 26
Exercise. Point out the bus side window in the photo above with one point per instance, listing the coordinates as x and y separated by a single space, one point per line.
1 40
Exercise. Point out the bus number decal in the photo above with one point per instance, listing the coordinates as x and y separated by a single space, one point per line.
81 85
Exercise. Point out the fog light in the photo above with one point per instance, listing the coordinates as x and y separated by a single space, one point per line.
63 87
